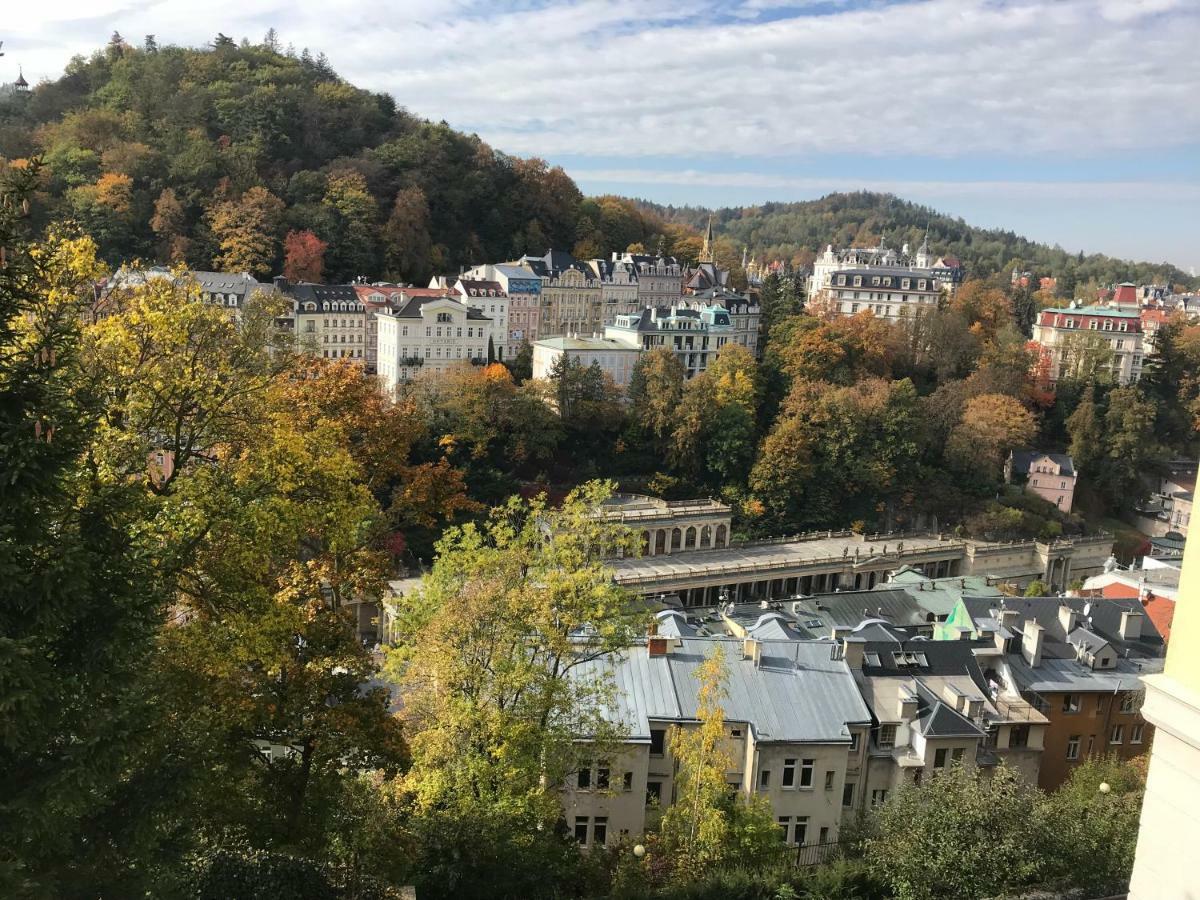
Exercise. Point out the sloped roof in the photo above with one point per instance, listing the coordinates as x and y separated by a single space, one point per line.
1023 459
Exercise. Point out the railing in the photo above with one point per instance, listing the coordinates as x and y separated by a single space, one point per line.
815 854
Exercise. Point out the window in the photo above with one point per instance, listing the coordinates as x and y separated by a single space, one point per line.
1129 701
1118 735
939 758
887 737
785 824
878 798
824 836
600 831
1091 744
443 317
806 773
653 792
829 780
848 794
1018 736
854 742
1135 733
800 831
428 331
1101 702
1073 747
956 754
1093 325
602 777
658 740
584 779
1070 703
764 779
581 829
627 781
789 773
735 732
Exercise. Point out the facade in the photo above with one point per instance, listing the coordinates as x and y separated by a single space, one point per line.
331 320
1170 830
489 298
660 278
1051 476
744 314
1083 339
693 335
570 295
891 293
618 287
1168 509
615 358
429 334
941 272
795 725
1078 662
229 290
524 289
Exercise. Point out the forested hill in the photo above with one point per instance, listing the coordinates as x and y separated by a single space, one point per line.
796 231
244 157
214 156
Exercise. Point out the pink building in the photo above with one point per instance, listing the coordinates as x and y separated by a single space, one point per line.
1051 476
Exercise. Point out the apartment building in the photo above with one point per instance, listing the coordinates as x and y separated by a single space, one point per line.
693 335
1091 340
745 315
429 334
1051 476
491 300
660 278
615 358
570 295
618 287
523 287
795 725
331 319
1078 662
892 293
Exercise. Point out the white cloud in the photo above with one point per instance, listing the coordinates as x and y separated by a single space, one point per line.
639 78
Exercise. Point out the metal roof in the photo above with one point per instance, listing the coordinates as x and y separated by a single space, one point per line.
796 693
1072 676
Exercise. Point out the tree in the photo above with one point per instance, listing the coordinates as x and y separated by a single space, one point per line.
354 213
991 426
1037 588
75 560
247 232
168 224
655 389
408 248
1087 435
512 608
303 257
957 835
1130 445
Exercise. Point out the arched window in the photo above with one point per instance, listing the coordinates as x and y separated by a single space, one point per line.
676 538
645 542
689 539
706 536
722 535
660 542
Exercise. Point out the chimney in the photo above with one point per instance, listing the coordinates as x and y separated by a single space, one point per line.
906 706
658 646
1031 643
1067 618
1131 625
852 651
1009 618
752 650
280 282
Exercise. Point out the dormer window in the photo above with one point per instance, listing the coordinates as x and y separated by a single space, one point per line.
443 317
905 283
858 281
921 285
1093 325
1108 325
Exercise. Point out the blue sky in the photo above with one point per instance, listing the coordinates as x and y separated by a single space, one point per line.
1070 121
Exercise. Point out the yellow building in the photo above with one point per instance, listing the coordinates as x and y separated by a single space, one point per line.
1165 868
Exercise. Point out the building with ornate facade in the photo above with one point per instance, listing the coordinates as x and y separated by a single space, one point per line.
330 319
618 287
1091 340
571 300
523 287
660 278
429 334
693 335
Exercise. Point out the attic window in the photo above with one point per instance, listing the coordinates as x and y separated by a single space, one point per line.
872 659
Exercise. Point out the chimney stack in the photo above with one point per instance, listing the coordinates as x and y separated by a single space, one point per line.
658 646
752 650
1031 643
1068 618
1131 625
852 651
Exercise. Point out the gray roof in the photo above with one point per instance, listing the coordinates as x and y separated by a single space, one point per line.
1023 459
935 718
1102 618
1069 675
797 693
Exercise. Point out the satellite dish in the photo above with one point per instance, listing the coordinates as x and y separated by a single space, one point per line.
1087 609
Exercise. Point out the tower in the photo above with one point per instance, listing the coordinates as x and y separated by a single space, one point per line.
706 252
923 251
21 85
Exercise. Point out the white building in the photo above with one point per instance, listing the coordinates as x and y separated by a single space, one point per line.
693 335
490 299
429 334
892 293
614 357
331 320
618 287
1091 340
939 274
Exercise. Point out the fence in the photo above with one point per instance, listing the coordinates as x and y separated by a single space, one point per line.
815 854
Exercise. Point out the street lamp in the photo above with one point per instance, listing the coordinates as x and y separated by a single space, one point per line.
639 851
1105 787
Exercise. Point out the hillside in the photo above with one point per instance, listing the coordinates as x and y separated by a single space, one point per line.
796 231
247 157
213 156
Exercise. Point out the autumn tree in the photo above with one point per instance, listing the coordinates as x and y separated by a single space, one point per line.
354 213
407 245
714 426
655 389
169 224
303 257
708 824
992 425
247 232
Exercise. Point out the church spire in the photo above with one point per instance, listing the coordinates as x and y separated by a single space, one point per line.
706 252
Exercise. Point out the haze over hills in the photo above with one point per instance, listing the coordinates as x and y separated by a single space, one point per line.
161 151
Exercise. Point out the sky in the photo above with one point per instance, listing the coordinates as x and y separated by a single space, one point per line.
1074 122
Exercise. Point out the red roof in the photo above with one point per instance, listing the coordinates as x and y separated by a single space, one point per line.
1161 612
1126 293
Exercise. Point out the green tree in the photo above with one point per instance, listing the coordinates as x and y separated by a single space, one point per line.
957 835
1086 432
408 248
354 213
655 390
1130 445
